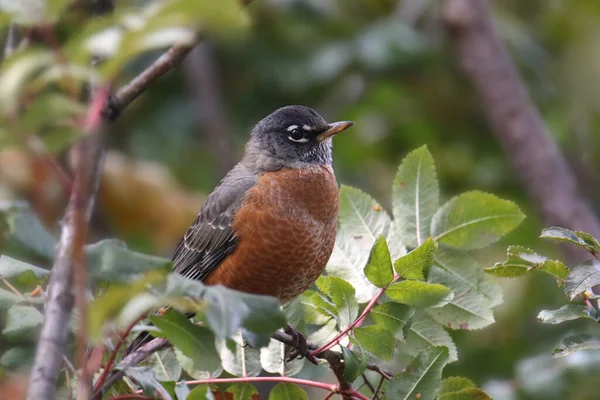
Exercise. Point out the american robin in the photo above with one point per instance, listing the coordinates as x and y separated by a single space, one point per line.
269 227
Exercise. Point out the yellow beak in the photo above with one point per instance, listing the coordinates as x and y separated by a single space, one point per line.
333 129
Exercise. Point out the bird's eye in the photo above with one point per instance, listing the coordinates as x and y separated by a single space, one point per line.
297 136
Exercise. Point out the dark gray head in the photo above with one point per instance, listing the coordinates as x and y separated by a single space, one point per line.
292 136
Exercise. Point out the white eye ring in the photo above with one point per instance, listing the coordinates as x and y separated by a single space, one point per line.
301 140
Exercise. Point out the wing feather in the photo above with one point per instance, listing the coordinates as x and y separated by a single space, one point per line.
210 239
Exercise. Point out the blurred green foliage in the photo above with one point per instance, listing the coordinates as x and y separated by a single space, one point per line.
388 66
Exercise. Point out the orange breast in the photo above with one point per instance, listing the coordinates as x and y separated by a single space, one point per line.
285 233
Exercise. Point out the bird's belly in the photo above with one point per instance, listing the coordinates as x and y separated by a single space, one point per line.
285 232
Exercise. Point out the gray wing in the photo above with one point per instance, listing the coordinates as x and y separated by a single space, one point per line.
211 238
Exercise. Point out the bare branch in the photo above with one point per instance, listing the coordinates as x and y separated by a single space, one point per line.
59 301
516 122
138 85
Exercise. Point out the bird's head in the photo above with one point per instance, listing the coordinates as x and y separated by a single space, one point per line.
293 137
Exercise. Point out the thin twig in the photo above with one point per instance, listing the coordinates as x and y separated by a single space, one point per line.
378 390
113 355
368 383
134 358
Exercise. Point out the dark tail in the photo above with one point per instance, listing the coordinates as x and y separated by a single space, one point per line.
140 340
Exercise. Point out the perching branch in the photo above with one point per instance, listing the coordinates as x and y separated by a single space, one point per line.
516 122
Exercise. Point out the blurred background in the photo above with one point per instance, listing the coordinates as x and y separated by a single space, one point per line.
389 66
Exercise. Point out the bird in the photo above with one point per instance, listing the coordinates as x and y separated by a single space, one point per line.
269 226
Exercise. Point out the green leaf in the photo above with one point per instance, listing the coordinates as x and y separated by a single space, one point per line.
379 267
424 333
110 260
165 365
474 292
361 222
322 305
239 359
229 309
576 343
21 322
24 235
343 296
324 334
18 357
287 391
8 298
419 294
272 359
413 265
109 305
466 394
195 342
354 364
521 260
474 220
182 390
242 391
582 278
201 392
567 312
21 272
376 341
415 196
392 317
422 378
456 384
145 377
578 238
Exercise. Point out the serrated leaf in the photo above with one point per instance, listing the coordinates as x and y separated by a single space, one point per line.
354 363
419 294
521 260
423 333
24 234
21 322
456 384
413 264
392 317
361 221
199 368
322 305
195 342
567 312
576 343
376 341
239 359
422 378
287 391
242 391
466 394
578 238
379 267
324 334
272 359
474 220
145 377
311 313
466 310
474 292
582 278
415 196
110 260
343 296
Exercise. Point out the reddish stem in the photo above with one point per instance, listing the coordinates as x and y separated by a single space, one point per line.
356 322
113 355
297 381
328 396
